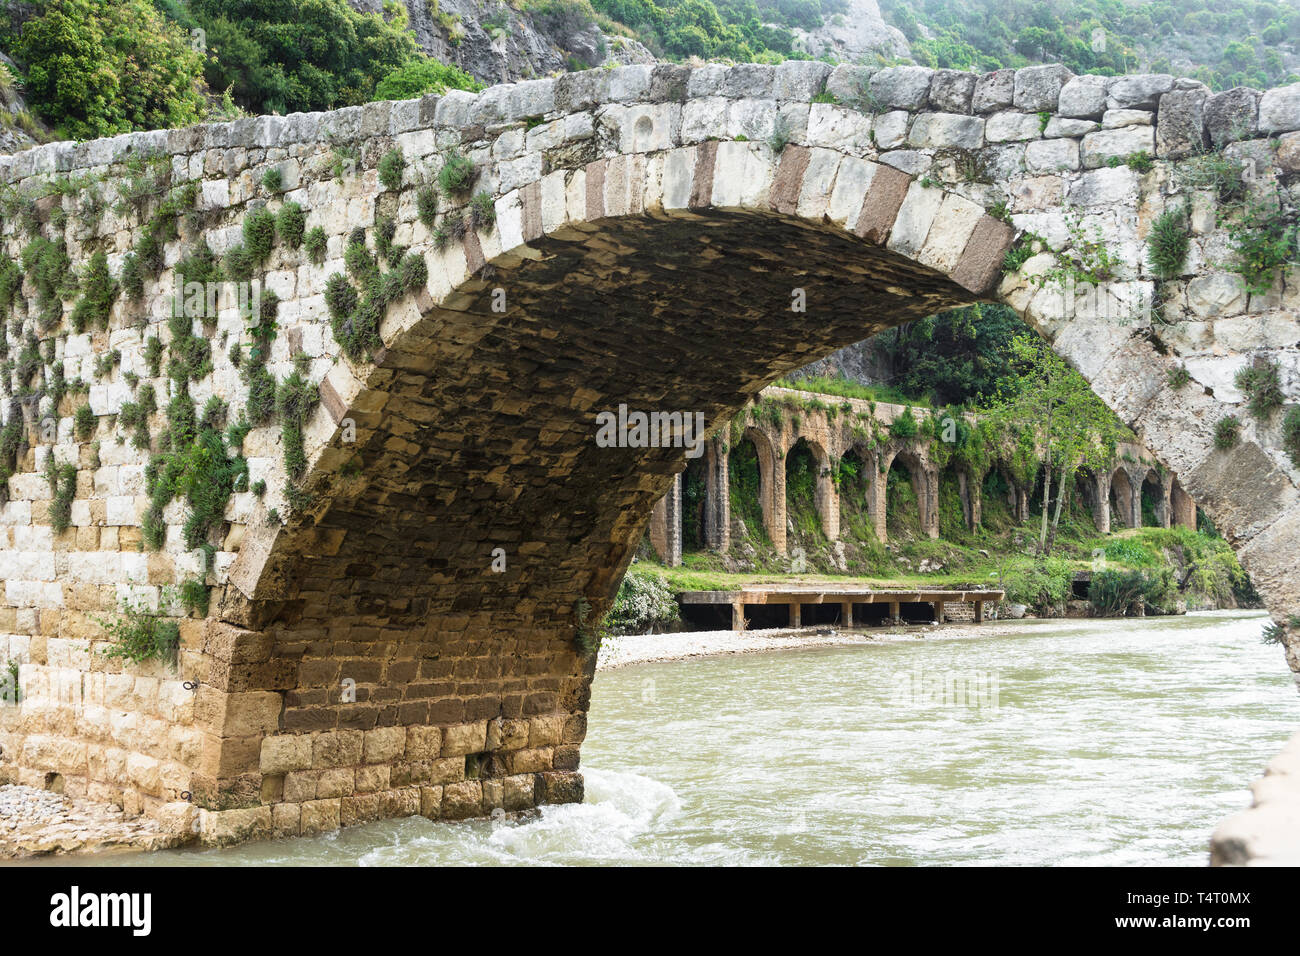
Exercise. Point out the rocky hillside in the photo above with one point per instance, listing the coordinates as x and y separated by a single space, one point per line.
499 42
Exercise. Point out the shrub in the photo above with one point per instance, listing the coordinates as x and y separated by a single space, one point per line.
391 168
457 174
239 264
1168 242
1263 241
1261 383
259 235
1111 593
1227 432
285 56
482 211
1179 376
273 179
294 401
424 75
315 244
645 602
905 425
426 203
142 634
195 597
291 222
84 423
63 486
96 69
1291 434
414 272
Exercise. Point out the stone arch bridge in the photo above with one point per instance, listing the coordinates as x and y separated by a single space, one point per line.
393 591
832 428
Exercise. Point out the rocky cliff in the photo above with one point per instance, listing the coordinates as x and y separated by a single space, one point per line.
497 44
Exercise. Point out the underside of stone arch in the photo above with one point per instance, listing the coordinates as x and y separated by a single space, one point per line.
486 524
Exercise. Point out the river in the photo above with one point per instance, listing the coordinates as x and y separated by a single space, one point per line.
1063 742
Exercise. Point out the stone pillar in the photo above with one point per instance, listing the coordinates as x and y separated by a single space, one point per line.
938 612
737 615
846 613
894 611
666 524
771 489
1101 502
1163 506
795 611
1182 509
876 498
979 612
717 496
828 502
929 500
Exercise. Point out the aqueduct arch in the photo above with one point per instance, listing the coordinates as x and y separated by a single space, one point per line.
643 263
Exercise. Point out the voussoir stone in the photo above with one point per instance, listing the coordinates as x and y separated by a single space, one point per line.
1039 87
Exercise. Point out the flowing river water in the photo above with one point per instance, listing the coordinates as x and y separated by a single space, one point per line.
1116 742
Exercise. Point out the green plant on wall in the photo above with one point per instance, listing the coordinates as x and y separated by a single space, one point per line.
141 633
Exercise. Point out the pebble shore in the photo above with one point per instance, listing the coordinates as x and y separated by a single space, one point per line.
37 822
629 649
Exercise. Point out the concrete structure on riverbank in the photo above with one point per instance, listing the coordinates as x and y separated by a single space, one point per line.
393 625
833 427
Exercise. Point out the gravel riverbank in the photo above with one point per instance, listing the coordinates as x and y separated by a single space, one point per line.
629 649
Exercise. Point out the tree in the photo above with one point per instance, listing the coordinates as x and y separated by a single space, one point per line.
1069 425
101 67
282 56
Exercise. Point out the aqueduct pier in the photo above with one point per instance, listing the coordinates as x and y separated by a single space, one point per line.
650 227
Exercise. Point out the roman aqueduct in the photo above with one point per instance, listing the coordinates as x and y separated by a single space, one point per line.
391 622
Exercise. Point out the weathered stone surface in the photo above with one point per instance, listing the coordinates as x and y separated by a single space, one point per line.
1117 119
942 130
1232 115
1052 155
1039 87
1084 97
994 91
951 91
1279 109
1005 127
901 87
1140 92
1101 146
1222 293
1181 129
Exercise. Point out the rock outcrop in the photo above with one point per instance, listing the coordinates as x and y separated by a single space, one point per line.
496 43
